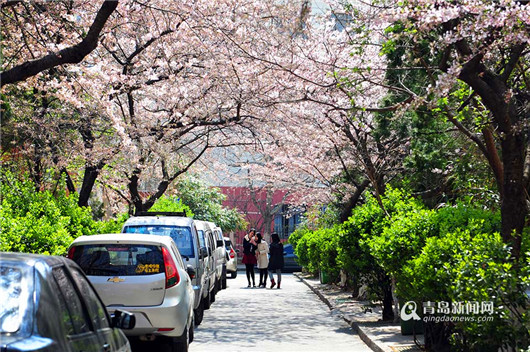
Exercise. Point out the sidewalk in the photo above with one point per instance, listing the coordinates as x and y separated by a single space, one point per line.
363 318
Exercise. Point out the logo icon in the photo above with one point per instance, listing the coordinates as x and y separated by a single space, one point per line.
115 279
408 311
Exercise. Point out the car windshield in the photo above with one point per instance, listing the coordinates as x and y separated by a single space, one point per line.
14 296
119 259
180 234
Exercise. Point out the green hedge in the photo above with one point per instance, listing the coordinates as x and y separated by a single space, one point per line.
39 221
451 254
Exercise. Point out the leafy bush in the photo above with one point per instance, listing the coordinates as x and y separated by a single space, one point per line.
39 221
463 216
403 237
300 244
171 204
466 267
206 203
322 251
112 225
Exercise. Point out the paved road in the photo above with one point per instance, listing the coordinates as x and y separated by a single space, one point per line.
289 319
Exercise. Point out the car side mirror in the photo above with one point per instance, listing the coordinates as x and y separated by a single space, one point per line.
122 319
190 271
203 253
220 243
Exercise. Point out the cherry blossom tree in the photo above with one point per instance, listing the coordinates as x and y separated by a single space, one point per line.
39 27
477 59
473 55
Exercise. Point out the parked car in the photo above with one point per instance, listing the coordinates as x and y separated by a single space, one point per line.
184 233
231 265
220 255
290 259
144 274
206 239
48 304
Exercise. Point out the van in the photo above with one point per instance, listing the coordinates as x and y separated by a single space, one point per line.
206 239
184 233
220 255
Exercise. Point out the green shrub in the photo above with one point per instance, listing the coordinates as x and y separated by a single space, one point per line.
39 221
171 204
403 236
112 225
302 252
462 216
467 267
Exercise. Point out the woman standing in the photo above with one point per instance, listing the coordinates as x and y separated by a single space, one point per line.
276 259
249 255
263 260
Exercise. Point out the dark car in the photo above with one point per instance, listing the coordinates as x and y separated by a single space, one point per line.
290 259
48 304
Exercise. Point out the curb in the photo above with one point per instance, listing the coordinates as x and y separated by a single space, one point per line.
355 325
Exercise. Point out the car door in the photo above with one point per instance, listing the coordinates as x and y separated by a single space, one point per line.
213 263
110 339
79 329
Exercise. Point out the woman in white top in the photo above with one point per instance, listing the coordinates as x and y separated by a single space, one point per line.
262 252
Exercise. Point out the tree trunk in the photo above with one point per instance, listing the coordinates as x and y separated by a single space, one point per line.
69 183
513 204
493 90
352 201
388 310
395 300
89 179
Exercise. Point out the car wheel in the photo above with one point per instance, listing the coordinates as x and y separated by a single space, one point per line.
191 332
199 313
206 301
212 293
223 278
233 275
218 286
181 343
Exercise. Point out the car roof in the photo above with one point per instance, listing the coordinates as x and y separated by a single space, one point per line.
133 238
159 220
29 259
202 225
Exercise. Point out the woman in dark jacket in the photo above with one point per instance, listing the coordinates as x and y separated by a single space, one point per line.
276 259
249 255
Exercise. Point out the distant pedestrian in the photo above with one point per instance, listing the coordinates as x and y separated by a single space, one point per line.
249 255
262 253
276 259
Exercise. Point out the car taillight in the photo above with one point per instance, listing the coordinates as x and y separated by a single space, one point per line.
232 253
71 252
172 274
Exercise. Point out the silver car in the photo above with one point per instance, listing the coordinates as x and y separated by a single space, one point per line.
145 275
183 231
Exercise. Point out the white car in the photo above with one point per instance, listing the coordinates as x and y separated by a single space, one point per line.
145 275
220 251
207 240
183 231
231 264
